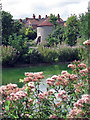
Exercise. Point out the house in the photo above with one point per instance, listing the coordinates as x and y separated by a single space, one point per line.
43 26
34 22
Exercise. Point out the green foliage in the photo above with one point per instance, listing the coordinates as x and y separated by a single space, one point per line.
51 41
53 19
62 54
48 55
66 54
9 55
56 37
19 43
71 31
30 33
32 57
9 26
66 95
83 25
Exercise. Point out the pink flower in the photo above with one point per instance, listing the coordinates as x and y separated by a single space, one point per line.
87 42
60 103
50 92
84 71
61 92
82 65
54 77
0 102
77 104
53 116
31 85
40 73
73 77
72 66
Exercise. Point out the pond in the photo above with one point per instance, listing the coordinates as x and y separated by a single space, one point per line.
13 74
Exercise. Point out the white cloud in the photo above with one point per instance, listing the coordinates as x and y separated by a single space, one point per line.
25 8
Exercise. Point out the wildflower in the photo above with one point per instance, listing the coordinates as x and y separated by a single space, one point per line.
31 85
61 92
26 80
82 65
75 112
60 103
53 116
72 66
0 102
73 77
87 42
84 71
54 77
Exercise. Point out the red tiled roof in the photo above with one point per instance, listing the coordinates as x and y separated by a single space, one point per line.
46 23
36 21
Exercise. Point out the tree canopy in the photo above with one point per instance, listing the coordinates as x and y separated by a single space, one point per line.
71 31
9 26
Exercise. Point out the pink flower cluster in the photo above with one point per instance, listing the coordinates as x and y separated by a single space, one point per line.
77 110
84 71
18 95
31 85
58 80
43 95
10 88
72 66
78 87
53 116
35 77
82 65
62 95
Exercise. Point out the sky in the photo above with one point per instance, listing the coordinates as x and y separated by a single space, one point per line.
26 8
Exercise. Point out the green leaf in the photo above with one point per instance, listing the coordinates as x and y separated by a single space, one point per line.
7 108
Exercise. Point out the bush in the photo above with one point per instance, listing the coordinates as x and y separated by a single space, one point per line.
19 43
62 54
9 55
66 96
68 54
48 55
32 57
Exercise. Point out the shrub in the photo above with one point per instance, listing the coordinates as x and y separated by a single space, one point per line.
32 57
62 54
48 55
66 96
19 43
9 55
68 54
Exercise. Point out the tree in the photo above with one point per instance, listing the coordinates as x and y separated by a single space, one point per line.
19 43
71 31
30 33
83 27
53 19
58 33
56 37
9 26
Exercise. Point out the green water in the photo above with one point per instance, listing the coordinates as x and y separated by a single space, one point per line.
12 75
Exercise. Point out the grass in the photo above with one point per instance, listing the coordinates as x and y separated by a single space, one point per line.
12 75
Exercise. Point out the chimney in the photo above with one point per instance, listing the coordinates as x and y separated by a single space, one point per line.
39 17
26 19
20 20
45 16
33 16
58 17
